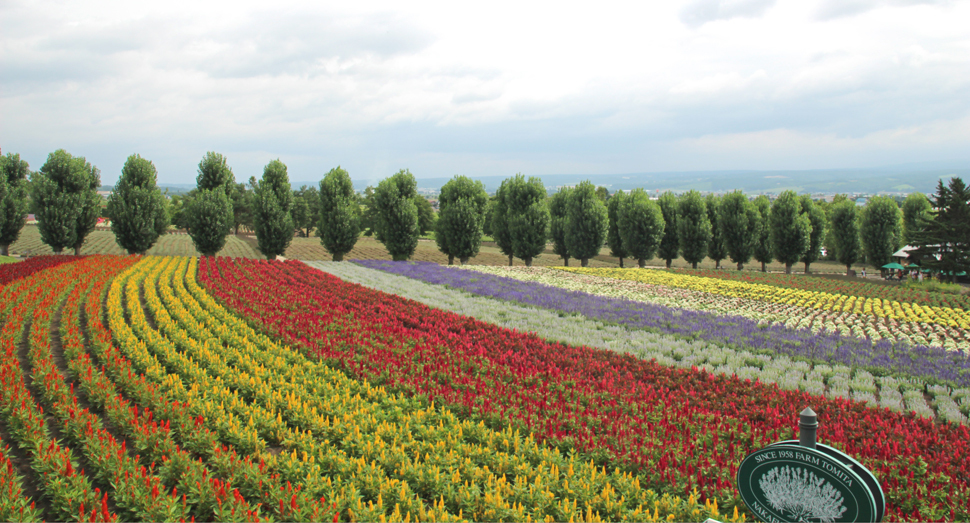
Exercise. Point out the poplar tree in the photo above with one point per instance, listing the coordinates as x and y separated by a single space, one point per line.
462 205
613 238
845 233
520 218
641 225
762 243
816 217
300 211
916 208
339 225
693 227
210 214
716 249
13 199
66 200
587 221
396 215
557 224
272 201
740 224
136 207
791 229
881 229
669 245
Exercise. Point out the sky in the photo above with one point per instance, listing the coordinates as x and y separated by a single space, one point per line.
486 89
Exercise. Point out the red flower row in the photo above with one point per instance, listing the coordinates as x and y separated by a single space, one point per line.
678 429
14 271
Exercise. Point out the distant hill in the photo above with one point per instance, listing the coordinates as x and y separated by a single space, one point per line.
900 179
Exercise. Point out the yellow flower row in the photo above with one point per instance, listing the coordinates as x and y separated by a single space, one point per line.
909 312
378 446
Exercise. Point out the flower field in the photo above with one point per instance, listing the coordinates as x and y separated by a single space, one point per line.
848 288
650 287
168 388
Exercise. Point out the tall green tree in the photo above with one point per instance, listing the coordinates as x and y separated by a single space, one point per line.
368 217
300 211
489 210
641 225
881 229
520 218
210 217
242 207
942 236
13 199
762 244
426 214
816 217
462 205
831 250
339 211
613 238
136 207
272 203
670 244
693 227
397 215
557 223
716 250
791 229
603 194
845 230
916 207
740 224
65 197
587 222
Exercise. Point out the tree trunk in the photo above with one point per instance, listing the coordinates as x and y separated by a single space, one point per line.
338 256
668 263
565 261
621 263
237 230
528 262
3 249
787 268
764 267
806 268
584 262
451 259
717 264
77 250
740 266
399 257
848 267
642 262
510 260
463 261
693 265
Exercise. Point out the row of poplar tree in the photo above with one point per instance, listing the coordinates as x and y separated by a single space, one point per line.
521 218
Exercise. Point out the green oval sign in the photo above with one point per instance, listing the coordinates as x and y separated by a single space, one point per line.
794 483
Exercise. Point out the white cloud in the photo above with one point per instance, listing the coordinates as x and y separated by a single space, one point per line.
446 87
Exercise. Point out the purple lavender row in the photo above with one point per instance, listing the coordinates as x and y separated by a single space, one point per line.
881 358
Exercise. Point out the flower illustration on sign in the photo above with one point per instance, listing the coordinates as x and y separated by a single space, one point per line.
801 494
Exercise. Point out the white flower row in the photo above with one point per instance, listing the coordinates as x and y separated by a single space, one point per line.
792 316
834 381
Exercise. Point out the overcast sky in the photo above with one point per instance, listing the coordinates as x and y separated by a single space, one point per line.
444 89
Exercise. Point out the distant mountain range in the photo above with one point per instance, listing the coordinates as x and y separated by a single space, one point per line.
891 179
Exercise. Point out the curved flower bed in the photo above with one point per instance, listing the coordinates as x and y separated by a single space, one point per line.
833 286
883 357
796 316
676 428
15 271
900 311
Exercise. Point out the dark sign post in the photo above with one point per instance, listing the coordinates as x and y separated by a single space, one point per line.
806 481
